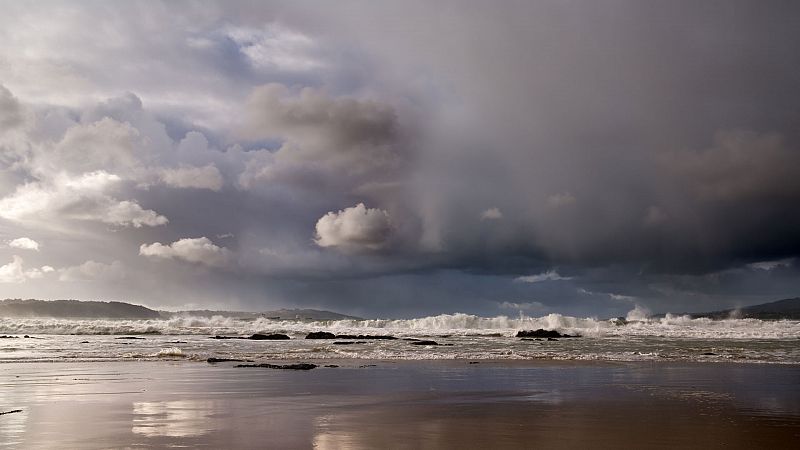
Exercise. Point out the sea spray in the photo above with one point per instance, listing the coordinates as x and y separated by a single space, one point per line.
439 325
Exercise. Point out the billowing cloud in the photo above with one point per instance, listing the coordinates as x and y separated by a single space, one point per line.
105 145
350 135
76 198
206 177
355 228
195 250
15 272
24 243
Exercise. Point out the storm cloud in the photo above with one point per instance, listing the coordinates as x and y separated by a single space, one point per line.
410 159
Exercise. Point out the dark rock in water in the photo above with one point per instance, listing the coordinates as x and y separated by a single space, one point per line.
320 335
178 342
474 362
256 337
84 342
349 342
11 412
364 336
542 333
219 360
130 338
332 366
619 321
367 365
269 337
411 339
300 366
8 337
709 354
552 339
327 335
424 343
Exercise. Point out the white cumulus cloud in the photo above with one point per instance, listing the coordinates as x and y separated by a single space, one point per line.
15 272
195 250
24 243
79 198
354 228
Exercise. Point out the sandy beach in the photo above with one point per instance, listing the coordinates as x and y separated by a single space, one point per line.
400 404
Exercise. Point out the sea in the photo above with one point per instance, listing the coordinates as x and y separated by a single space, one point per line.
458 337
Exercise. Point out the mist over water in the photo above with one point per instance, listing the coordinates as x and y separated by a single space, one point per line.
461 336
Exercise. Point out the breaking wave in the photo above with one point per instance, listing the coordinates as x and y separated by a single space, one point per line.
444 324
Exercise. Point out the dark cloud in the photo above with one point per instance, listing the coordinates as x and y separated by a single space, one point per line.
403 159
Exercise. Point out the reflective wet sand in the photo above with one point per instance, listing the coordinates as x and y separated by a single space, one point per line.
400 405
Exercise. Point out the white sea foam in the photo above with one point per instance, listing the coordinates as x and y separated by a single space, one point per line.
446 324
169 352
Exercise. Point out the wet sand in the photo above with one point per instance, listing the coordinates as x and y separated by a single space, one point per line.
400 404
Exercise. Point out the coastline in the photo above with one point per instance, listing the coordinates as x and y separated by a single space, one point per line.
380 403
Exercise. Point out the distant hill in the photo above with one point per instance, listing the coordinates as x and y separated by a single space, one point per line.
782 309
74 309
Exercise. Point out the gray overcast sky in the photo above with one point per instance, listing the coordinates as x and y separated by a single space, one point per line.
401 158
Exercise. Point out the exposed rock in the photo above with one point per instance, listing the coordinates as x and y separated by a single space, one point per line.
219 360
552 339
542 333
300 366
320 335
131 338
411 339
256 337
424 343
709 354
10 412
269 337
474 362
367 365
349 342
332 366
364 336
327 335
8 337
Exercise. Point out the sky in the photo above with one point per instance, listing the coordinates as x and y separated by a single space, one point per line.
401 159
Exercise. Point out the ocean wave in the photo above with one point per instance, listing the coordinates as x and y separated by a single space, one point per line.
445 324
